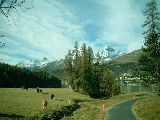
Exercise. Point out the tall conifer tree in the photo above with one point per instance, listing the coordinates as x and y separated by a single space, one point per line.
150 60
69 67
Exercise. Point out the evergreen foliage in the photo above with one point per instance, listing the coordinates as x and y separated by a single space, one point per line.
87 76
13 76
150 59
69 67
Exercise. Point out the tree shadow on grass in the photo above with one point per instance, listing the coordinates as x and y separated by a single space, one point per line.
11 115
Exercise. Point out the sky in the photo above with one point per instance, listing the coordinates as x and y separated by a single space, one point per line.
51 27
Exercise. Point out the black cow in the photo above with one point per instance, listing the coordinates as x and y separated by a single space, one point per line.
52 96
40 90
37 90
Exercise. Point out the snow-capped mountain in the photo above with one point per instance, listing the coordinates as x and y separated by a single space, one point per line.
33 63
108 54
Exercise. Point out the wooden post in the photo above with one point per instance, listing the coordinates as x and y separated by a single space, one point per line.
103 112
103 108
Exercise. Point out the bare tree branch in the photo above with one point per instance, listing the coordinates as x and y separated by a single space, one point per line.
5 7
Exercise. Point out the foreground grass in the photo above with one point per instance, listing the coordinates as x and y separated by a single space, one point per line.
19 102
29 103
148 109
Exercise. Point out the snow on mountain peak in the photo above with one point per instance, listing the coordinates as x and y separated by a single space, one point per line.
33 63
108 54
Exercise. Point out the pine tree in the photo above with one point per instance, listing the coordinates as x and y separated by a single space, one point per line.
76 66
69 67
150 59
90 56
95 83
90 83
107 83
91 76
84 56
84 74
76 59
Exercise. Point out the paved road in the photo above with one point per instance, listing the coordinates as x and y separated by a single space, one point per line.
122 111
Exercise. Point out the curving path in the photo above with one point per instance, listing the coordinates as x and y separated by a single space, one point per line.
122 111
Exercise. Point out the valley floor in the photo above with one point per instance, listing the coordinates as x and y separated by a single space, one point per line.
20 103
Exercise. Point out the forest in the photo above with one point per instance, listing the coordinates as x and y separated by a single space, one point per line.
15 77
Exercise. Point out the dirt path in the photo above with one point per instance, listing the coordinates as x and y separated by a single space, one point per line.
122 111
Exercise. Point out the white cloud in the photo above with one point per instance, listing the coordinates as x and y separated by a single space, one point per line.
45 27
123 23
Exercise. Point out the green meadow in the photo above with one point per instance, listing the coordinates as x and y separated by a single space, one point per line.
28 103
19 103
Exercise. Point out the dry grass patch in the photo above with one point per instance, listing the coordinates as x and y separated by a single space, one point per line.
148 109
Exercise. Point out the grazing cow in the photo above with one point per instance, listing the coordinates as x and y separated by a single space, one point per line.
52 96
44 103
40 90
37 90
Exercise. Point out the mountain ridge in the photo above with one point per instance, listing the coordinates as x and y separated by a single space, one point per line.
122 63
30 64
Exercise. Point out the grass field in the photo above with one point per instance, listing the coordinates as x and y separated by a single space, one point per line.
148 109
29 103
22 103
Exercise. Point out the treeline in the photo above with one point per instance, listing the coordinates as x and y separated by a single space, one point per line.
13 76
87 75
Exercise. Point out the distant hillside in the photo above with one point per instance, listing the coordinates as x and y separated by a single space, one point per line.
56 68
127 63
54 65
129 58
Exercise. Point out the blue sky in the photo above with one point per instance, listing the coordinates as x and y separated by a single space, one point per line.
51 27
